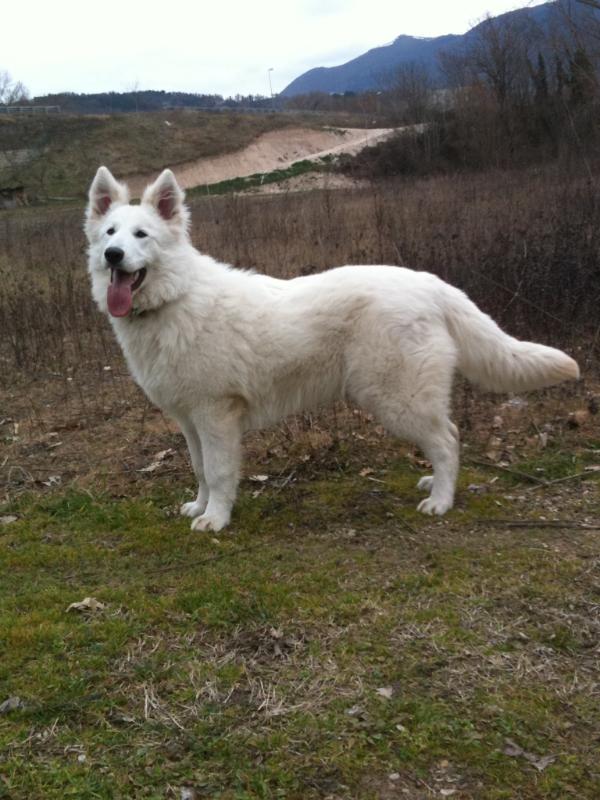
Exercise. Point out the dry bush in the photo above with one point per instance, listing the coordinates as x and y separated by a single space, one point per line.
46 317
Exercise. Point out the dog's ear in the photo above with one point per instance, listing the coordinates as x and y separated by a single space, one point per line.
166 196
104 192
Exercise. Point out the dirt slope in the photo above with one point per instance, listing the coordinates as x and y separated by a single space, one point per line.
273 150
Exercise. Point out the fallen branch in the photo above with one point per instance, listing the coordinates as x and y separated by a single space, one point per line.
581 475
540 482
516 472
539 523
285 482
406 525
398 519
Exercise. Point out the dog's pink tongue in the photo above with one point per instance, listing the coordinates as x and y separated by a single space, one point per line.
119 293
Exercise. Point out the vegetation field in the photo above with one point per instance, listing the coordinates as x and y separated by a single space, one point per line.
52 156
333 643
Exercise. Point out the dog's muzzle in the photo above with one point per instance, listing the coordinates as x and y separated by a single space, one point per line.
114 255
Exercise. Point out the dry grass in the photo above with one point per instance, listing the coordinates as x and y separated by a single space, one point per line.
523 245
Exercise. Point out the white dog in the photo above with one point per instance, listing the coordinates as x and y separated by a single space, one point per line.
223 351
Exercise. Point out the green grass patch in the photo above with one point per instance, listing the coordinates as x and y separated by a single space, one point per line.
554 463
330 639
261 178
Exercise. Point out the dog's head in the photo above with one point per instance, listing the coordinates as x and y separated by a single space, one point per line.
134 250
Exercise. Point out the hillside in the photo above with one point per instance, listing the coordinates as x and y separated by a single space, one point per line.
372 70
276 150
55 156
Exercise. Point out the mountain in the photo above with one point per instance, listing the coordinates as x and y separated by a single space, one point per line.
371 70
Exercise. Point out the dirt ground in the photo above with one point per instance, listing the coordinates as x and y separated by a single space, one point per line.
308 182
277 149
95 429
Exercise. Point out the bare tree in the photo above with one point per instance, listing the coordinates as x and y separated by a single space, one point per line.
456 68
134 89
11 91
498 56
5 81
576 42
411 90
583 23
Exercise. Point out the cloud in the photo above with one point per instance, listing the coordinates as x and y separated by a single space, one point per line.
314 8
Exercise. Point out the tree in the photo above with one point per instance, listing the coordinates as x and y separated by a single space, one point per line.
11 91
582 78
408 90
499 55
540 81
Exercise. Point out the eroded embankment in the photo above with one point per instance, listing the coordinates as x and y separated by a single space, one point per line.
273 150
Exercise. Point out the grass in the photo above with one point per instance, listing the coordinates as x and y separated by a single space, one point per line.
261 178
247 665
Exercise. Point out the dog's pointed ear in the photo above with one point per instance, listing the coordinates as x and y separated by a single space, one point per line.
166 196
104 192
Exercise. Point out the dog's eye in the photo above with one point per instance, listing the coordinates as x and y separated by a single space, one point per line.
140 234
110 231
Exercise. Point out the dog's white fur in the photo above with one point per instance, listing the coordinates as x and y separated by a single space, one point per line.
223 351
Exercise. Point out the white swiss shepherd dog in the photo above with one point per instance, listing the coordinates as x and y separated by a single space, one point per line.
223 351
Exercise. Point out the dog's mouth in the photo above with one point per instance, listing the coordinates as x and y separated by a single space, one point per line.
120 291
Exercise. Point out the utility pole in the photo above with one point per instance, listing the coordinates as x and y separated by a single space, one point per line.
269 71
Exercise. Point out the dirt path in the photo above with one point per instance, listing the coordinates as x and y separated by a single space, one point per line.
273 150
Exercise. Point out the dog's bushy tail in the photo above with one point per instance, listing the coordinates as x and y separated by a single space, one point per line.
496 361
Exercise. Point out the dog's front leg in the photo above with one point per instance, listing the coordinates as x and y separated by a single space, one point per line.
221 433
197 506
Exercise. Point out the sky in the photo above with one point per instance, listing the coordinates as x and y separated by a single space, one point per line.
221 47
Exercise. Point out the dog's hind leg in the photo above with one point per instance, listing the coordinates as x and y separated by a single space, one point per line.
220 431
438 439
411 398
440 445
197 506
425 484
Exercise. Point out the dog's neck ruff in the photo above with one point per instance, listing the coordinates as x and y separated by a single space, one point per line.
140 312
144 313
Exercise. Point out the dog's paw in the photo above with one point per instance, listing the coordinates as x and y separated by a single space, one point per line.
210 522
431 506
193 509
426 483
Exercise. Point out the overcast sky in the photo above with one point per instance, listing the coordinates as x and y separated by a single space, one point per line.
221 46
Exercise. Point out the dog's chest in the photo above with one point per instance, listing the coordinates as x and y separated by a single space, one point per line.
158 357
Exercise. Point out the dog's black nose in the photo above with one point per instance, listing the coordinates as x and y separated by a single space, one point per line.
114 255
